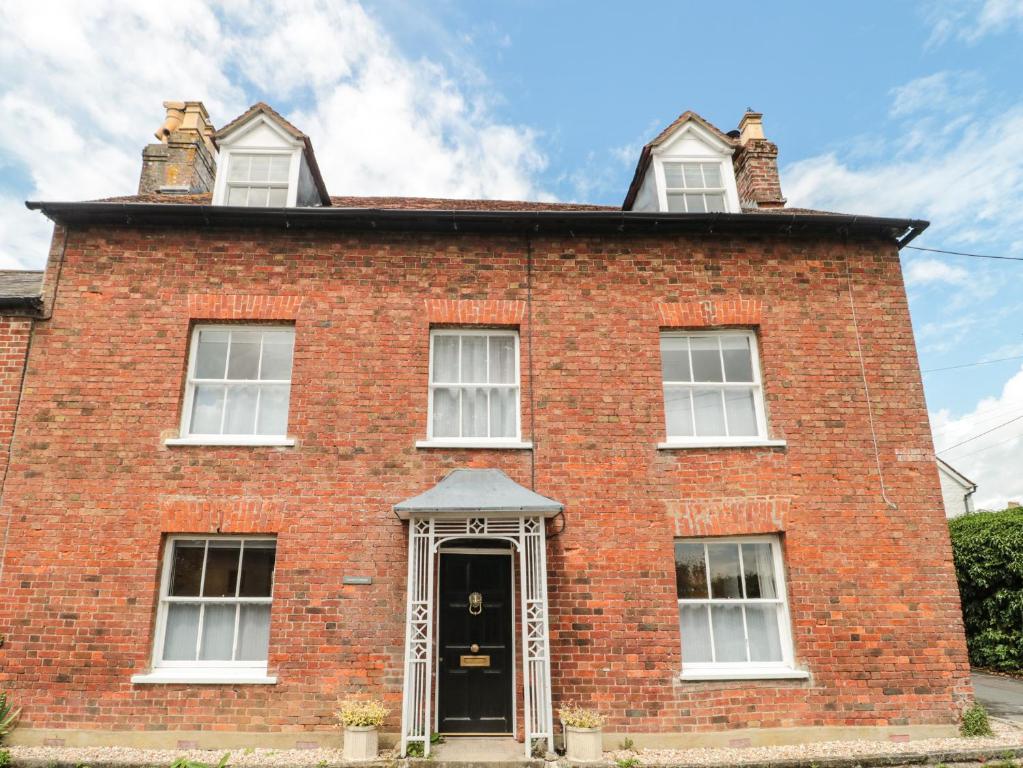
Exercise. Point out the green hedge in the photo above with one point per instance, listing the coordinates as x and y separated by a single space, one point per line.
988 551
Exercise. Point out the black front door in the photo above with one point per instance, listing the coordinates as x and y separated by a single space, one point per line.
474 689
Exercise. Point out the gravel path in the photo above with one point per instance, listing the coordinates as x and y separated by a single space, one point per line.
1006 735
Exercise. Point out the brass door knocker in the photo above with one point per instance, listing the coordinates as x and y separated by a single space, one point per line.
475 603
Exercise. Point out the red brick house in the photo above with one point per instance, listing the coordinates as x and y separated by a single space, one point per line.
476 458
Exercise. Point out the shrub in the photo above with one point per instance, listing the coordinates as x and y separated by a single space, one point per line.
8 716
362 713
580 717
988 552
5 758
975 722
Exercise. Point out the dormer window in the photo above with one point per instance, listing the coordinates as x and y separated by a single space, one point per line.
258 180
266 162
694 187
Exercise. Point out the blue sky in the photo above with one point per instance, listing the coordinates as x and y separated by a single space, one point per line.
891 108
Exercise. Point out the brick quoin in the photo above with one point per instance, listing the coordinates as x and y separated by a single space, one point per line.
92 490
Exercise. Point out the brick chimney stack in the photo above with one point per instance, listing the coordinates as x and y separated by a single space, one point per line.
185 159
756 165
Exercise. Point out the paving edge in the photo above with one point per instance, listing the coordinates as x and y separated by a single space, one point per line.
932 757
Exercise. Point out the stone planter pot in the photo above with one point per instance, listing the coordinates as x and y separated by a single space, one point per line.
360 742
583 745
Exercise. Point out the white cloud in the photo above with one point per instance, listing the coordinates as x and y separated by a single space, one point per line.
993 460
84 82
969 20
924 271
946 91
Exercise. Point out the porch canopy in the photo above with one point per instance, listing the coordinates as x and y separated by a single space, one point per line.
477 504
478 492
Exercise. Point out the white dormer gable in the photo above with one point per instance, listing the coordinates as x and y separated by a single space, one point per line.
264 161
687 169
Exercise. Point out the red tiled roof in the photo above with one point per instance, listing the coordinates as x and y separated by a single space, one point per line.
266 109
400 203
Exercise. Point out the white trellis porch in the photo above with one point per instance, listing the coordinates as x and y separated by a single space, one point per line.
477 504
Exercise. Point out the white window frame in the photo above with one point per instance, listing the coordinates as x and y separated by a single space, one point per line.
240 141
185 435
721 190
515 442
203 671
727 179
288 185
745 670
760 410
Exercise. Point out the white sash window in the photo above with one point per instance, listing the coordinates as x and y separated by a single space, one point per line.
213 621
474 386
733 615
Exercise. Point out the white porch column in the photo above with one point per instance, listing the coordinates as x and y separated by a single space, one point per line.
536 657
416 693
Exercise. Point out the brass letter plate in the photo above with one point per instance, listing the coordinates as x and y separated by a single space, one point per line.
475 661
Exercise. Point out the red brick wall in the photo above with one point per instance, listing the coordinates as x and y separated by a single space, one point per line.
14 336
92 489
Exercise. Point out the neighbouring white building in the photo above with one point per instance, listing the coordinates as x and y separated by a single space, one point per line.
956 490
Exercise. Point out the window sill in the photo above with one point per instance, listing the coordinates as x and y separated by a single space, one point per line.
736 673
205 677
675 445
510 445
239 440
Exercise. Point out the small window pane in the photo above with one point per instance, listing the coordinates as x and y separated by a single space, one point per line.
694 178
675 358
259 169
211 354
217 633
758 570
240 416
186 569
695 204
738 358
676 204
729 638
474 412
273 409
253 633
238 196
712 175
724 571
277 197
244 362
502 360
280 165
715 202
258 197
445 413
503 404
278 349
182 632
474 359
445 359
257 569
706 358
694 627
742 416
239 168
678 412
207 407
690 571
221 568
710 416
764 639
673 175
